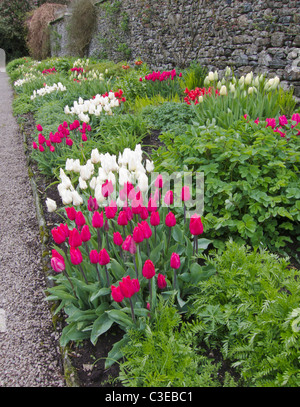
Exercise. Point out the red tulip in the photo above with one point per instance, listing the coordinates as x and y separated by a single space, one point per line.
79 219
94 256
161 281
196 227
103 257
58 235
117 294
185 193
146 229
154 218
148 269
85 233
175 261
152 206
71 213
118 240
127 287
122 218
129 245
34 145
111 210
138 235
97 220
169 198
159 181
170 220
144 214
75 238
56 254
76 256
39 127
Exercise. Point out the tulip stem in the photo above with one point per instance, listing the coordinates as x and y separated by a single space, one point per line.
174 279
150 293
68 278
84 276
107 276
98 274
135 266
99 239
132 310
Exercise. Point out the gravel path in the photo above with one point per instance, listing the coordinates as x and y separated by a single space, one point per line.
29 352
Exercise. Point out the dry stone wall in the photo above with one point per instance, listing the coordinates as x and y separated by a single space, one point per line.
259 36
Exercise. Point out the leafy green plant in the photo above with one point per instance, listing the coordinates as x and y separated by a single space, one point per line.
250 311
251 177
163 354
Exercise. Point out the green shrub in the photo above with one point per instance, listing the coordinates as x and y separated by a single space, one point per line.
251 177
250 311
163 354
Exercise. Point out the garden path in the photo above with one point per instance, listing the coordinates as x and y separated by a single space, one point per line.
29 351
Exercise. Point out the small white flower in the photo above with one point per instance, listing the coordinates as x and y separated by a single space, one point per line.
149 166
77 200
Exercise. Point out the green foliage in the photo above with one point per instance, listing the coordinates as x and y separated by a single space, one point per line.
251 177
163 354
169 116
250 311
194 76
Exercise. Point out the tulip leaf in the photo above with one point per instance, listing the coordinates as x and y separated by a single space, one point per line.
120 317
177 234
100 326
117 269
100 293
203 243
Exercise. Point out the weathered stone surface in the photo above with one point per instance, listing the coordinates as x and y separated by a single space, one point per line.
256 34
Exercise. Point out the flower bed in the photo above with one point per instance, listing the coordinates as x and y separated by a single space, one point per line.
130 248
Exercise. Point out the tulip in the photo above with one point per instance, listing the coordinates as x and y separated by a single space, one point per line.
175 261
85 233
152 206
39 127
138 235
76 256
56 254
92 204
170 220
117 294
154 218
159 182
146 229
161 281
79 219
71 213
51 205
97 220
104 259
127 288
34 145
129 245
75 238
148 269
94 258
107 188
118 240
122 218
196 228
111 210
144 214
169 198
58 235
57 264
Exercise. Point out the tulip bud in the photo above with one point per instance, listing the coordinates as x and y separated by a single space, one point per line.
76 256
170 220
185 194
154 218
196 227
122 218
103 257
169 198
175 261
223 90
129 245
51 205
57 264
85 233
94 257
148 269
146 229
79 219
127 287
97 220
161 281
118 240
137 235
75 238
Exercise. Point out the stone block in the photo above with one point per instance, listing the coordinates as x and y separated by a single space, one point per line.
277 39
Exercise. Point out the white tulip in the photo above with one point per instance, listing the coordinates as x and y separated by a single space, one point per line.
51 205
95 156
143 182
66 196
149 165
211 76
223 90
77 200
82 183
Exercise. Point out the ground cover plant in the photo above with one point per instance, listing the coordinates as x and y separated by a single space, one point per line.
124 254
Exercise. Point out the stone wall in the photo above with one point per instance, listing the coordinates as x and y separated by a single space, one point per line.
263 36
